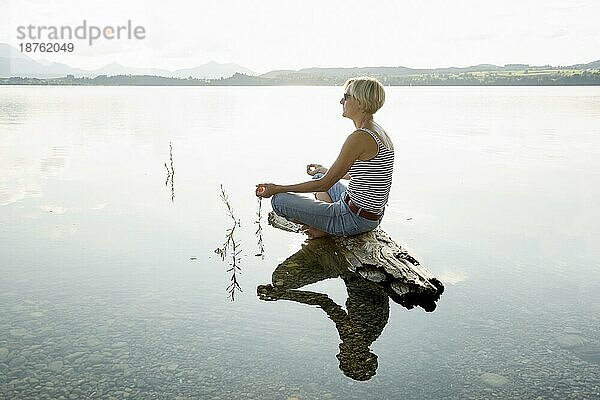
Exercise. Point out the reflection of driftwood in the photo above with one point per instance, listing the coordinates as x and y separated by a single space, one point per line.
377 258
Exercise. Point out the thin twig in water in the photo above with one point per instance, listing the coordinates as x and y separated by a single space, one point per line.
171 158
170 173
235 261
172 190
261 246
230 243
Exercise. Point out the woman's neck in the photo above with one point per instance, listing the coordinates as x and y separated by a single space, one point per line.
363 120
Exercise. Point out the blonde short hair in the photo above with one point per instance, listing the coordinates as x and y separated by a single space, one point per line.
368 91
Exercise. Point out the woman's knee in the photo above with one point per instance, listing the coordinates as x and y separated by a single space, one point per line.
275 203
278 203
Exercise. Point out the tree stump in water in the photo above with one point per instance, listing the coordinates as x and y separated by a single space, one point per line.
377 258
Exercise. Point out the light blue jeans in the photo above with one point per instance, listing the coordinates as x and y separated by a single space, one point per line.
334 218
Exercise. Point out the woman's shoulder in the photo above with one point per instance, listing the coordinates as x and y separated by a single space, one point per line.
361 136
378 135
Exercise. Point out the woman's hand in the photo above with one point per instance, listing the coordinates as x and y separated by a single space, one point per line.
313 169
266 190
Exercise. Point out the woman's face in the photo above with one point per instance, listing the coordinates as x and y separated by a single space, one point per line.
350 106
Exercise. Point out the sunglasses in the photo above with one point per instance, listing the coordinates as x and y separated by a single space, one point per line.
347 96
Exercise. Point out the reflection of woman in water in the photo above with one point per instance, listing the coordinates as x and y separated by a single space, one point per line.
366 159
367 307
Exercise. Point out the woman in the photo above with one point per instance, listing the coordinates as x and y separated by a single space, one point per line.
366 159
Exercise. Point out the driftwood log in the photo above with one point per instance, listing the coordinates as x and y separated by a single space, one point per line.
377 258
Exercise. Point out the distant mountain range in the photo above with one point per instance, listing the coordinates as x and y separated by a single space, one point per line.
336 73
13 63
15 66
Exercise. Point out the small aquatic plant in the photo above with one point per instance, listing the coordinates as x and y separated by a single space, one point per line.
170 173
230 249
261 246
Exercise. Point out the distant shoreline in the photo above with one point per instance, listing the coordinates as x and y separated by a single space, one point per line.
589 79
336 77
292 85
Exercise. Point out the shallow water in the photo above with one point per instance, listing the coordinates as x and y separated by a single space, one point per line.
110 285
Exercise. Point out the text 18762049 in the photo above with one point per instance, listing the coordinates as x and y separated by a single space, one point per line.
32 47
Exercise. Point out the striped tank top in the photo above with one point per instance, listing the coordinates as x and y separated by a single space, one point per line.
371 180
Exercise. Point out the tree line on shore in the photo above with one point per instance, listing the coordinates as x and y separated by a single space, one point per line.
472 78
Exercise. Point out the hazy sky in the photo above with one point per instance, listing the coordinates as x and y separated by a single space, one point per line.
278 34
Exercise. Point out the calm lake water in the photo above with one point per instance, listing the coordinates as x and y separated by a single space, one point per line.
110 286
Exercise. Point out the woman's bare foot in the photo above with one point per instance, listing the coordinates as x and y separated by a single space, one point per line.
311 232
314 233
323 196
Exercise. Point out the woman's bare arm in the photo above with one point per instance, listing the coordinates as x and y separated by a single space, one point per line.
350 152
312 169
